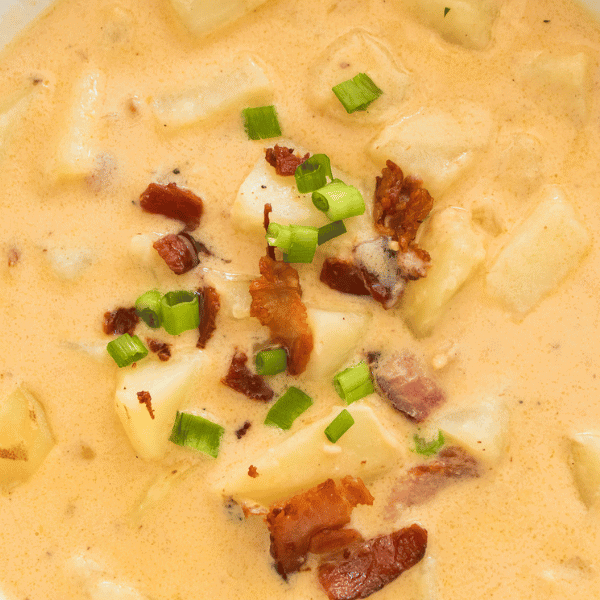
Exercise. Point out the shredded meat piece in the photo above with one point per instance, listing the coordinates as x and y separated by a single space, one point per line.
330 540
276 303
413 263
161 349
284 160
343 276
120 321
210 305
294 522
145 398
242 380
243 430
365 567
13 257
178 252
174 202
252 471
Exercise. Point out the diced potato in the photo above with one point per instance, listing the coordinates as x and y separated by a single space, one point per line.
168 384
540 254
241 84
25 437
456 251
585 450
234 290
307 458
359 52
335 336
482 430
69 263
11 109
521 162
435 145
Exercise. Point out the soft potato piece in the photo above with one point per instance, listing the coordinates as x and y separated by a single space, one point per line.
234 290
547 245
242 83
308 458
25 437
70 264
456 251
521 162
168 384
585 451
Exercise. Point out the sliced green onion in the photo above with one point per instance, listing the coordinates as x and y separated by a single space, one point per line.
148 308
261 123
271 362
446 10
312 173
288 408
339 201
428 448
180 311
330 231
197 433
354 383
126 349
279 235
338 427
304 244
357 93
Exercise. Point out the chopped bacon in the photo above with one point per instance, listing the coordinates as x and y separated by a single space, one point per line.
161 349
365 567
268 209
402 380
120 321
199 247
174 202
178 252
330 540
13 257
284 160
243 430
145 398
295 521
276 302
343 276
211 303
252 471
242 380
413 263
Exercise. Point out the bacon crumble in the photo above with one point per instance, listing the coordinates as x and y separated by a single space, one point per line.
343 276
161 349
242 380
331 540
284 160
252 471
243 430
13 257
210 305
174 202
120 321
178 252
145 398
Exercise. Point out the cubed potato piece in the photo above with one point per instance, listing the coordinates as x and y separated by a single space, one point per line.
25 436
308 458
69 264
464 22
542 251
335 336
242 83
168 384
202 17
585 451
456 251
435 145
11 109
359 52
234 290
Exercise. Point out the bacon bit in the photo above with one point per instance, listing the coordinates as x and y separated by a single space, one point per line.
18 452
414 263
252 471
242 380
210 305
178 252
13 257
343 276
174 202
145 398
276 303
199 247
120 321
266 222
330 540
243 430
402 380
284 160
161 349
366 567
294 522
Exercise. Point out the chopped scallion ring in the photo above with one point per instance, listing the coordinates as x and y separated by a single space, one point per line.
148 308
354 383
357 93
428 448
339 201
271 362
312 173
180 311
338 427
330 231
261 123
126 349
197 432
279 236
288 408
303 245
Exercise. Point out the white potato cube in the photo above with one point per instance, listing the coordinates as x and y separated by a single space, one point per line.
234 290
547 245
308 458
585 451
456 251
69 263
435 145
521 162
168 384
242 83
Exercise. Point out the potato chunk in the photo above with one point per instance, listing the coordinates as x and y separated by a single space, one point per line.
540 254
25 437
585 451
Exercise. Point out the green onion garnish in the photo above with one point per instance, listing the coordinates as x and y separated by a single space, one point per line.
304 244
446 10
357 93
338 427
339 201
354 383
279 235
197 433
428 448
261 123
312 173
148 308
180 311
271 362
126 349
330 231
288 408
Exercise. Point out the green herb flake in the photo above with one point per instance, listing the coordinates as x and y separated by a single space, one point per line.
428 448
446 11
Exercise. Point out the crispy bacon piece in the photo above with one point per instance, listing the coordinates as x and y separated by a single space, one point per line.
268 209
284 160
13 256
120 321
211 303
294 522
161 349
402 380
174 202
252 471
242 380
243 430
331 540
365 567
146 398
343 276
178 252
276 303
